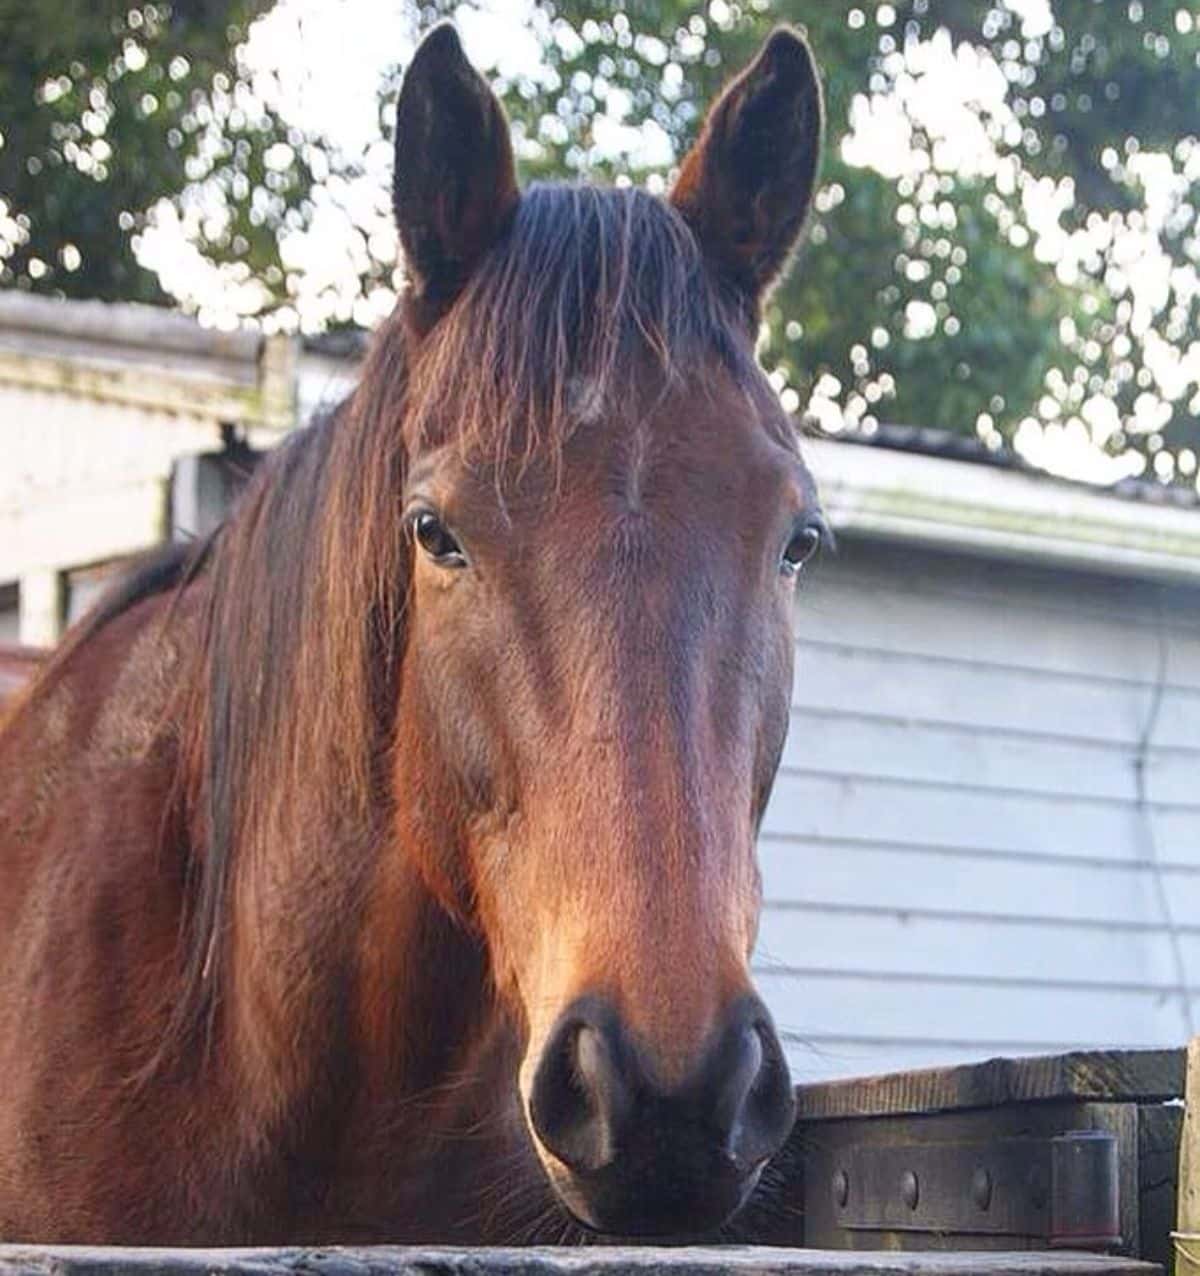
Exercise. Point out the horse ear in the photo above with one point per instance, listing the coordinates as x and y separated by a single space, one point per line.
746 186
455 181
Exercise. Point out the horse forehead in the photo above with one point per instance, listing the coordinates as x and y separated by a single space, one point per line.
690 452
587 399
614 405
707 433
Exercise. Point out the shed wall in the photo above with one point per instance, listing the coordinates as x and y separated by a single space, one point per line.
985 836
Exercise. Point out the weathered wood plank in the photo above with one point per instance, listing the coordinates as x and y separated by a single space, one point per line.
910 879
1109 1075
18 1260
985 699
902 813
931 754
1056 1017
818 1058
873 941
1159 1127
936 608
1187 1261
927 753
914 879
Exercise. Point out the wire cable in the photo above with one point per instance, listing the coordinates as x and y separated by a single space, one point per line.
1141 764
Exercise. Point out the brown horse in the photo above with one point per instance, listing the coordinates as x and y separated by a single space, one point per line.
385 869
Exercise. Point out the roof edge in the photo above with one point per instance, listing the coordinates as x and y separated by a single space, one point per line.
955 504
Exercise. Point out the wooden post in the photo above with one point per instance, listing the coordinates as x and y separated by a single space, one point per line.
42 604
1187 1235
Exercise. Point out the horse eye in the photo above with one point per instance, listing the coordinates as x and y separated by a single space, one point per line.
437 542
805 542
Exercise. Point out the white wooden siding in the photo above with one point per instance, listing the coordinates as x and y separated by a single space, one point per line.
959 859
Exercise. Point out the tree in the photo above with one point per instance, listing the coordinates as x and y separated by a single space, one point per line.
988 297
106 108
1039 283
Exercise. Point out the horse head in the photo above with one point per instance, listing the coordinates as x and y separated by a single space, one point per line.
607 515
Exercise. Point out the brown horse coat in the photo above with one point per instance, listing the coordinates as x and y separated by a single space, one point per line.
383 869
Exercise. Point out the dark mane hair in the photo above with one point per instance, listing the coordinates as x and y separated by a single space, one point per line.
306 586
587 282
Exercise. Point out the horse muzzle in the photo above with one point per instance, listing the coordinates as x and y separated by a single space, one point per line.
629 1157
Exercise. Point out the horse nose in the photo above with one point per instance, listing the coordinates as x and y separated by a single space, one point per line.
582 1097
593 1102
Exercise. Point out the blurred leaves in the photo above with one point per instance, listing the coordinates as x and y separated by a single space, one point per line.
107 108
1004 296
1005 242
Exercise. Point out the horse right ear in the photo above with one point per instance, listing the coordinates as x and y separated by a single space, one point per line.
746 186
455 183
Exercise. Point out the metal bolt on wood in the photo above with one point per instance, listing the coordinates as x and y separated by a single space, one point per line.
910 1189
981 1188
841 1189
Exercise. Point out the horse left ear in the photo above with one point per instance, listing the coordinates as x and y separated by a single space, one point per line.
455 182
746 186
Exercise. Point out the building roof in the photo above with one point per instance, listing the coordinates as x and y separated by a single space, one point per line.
927 441
910 484
932 497
145 358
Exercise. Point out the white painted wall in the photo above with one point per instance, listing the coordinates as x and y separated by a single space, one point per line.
956 861
97 405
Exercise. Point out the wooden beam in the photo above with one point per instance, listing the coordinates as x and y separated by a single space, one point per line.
42 613
1107 1075
1159 1126
1187 1236
153 390
79 527
996 512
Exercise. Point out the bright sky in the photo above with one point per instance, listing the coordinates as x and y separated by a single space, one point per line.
321 62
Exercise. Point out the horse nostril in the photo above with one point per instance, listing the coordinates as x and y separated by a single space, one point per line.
740 1076
754 1106
579 1102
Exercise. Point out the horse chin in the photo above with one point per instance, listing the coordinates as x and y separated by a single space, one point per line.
674 1203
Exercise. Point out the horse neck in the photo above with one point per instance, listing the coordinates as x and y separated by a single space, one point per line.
425 997
362 985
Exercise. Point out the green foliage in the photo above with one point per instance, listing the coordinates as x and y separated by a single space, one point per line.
108 106
925 295
1006 335
1049 286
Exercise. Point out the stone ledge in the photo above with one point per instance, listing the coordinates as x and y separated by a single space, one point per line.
71 1260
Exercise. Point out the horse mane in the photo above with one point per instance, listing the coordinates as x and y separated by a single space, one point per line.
588 281
160 571
164 569
307 584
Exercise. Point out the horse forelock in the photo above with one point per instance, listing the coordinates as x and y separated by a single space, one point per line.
587 285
